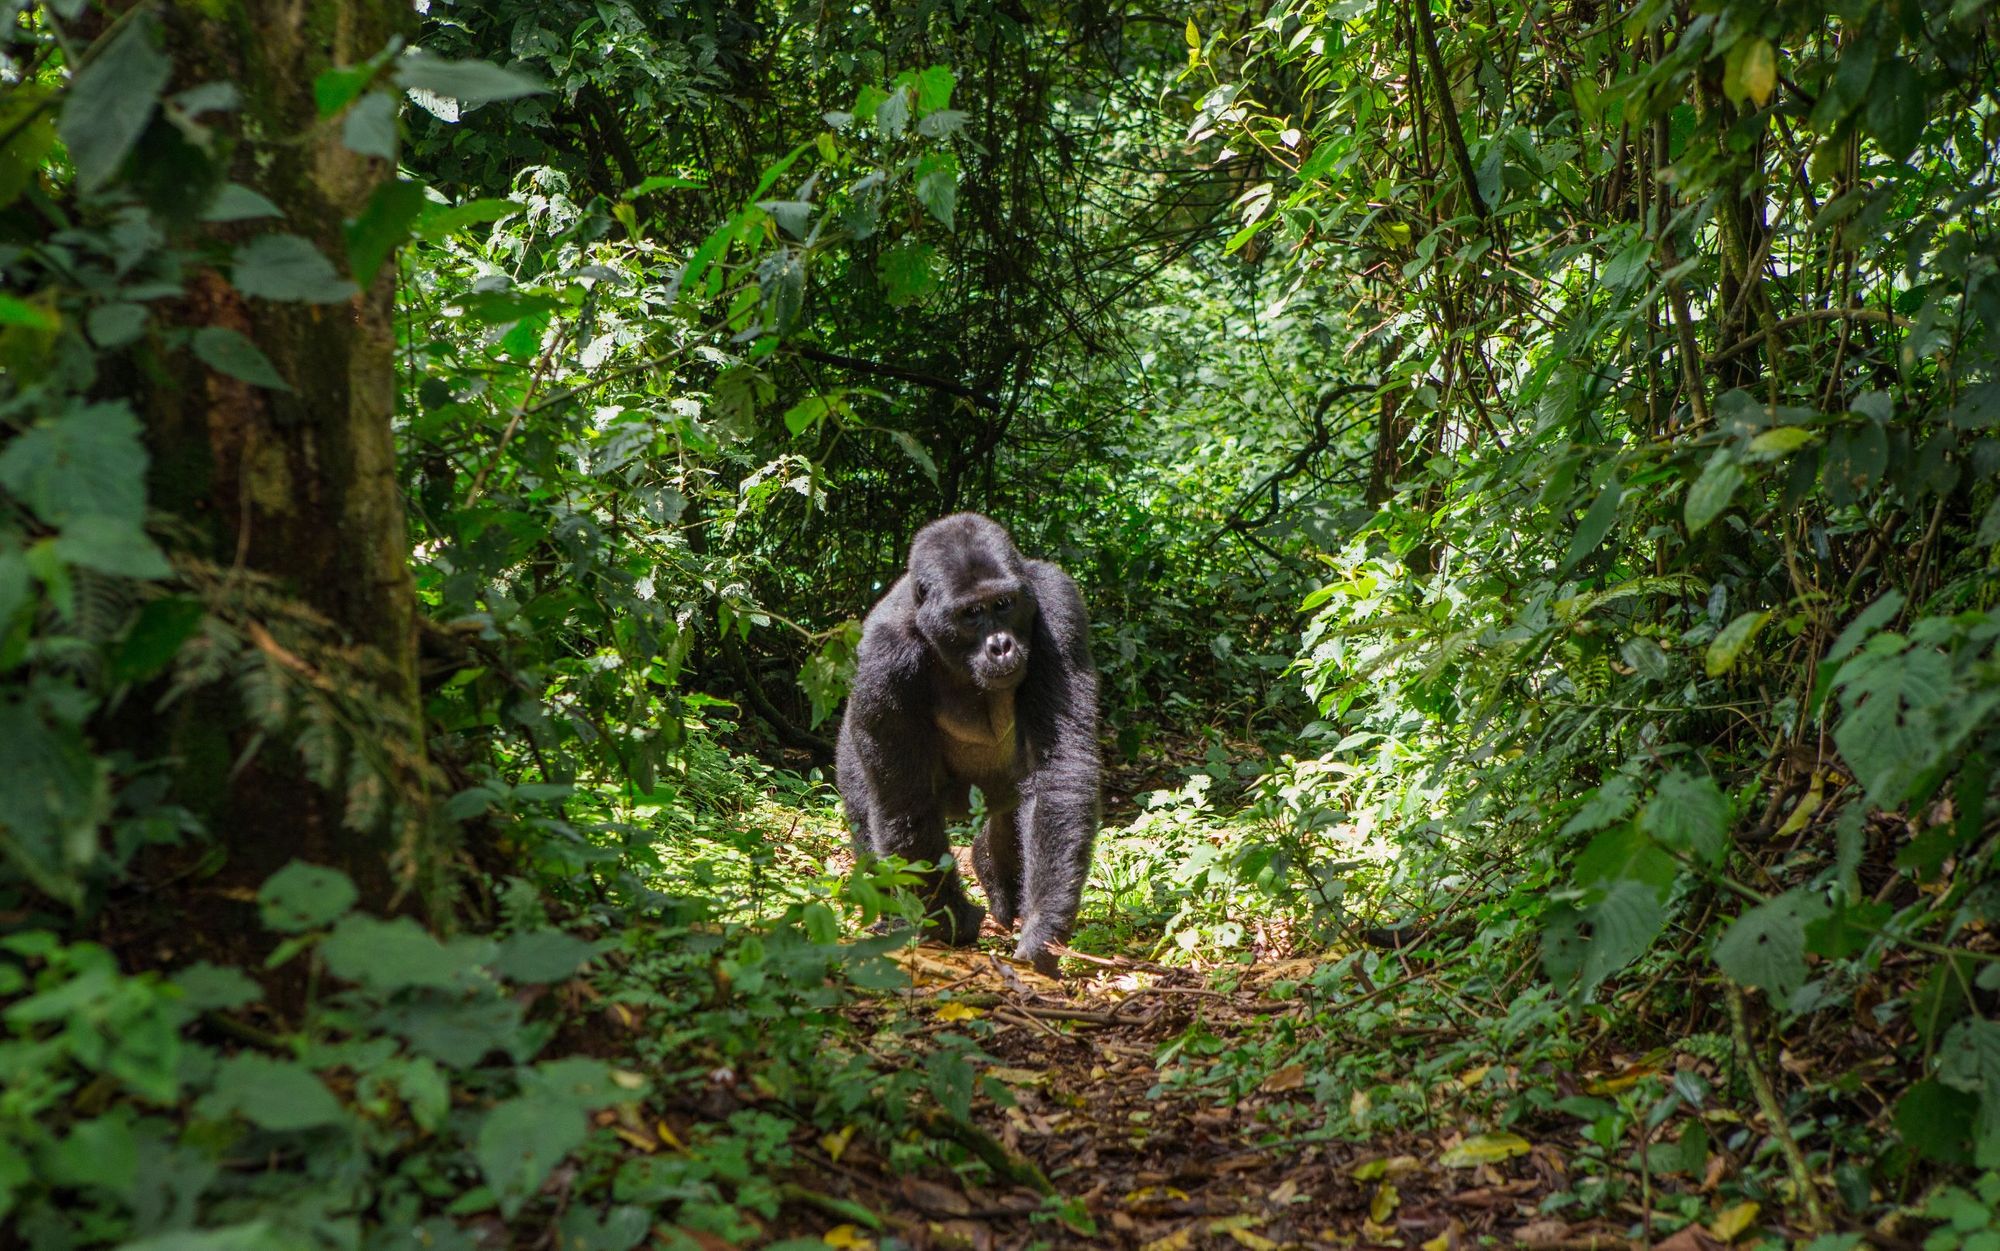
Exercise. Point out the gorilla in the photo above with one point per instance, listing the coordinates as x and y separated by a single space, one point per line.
975 670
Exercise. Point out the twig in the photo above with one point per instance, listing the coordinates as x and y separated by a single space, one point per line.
1442 85
1767 1101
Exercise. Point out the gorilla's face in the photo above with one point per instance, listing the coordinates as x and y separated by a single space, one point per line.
974 606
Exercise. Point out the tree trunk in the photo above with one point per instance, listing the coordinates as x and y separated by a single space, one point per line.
293 493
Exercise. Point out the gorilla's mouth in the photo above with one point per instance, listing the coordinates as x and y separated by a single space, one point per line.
1000 673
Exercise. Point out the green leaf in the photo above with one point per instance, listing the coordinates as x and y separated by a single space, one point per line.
808 413
1596 523
937 185
390 955
370 126
155 637
48 826
907 271
1731 640
1750 70
539 956
382 227
228 352
1782 441
934 89
235 203
303 896
1688 814
914 450
1936 1121
1713 490
111 545
250 1236
87 461
471 83
116 324
1766 946
1901 713
1623 853
1897 107
209 987
1969 1061
286 267
15 311
1646 657
1865 623
272 1094
111 100
522 1140
441 221
334 89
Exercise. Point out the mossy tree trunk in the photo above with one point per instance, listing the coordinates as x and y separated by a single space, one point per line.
294 492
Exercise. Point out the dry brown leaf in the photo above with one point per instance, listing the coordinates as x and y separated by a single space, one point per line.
931 1197
1291 1077
1691 1238
1542 1233
1179 1240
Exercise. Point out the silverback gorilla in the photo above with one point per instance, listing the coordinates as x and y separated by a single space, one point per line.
975 670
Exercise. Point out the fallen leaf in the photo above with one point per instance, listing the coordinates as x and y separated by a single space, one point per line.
1472 1077
1730 1223
1440 1243
637 1139
1690 1238
1383 1205
1179 1240
1156 1194
956 1011
934 1198
1485 1149
1019 1077
1542 1233
1291 1077
1287 1191
1386 1166
836 1142
847 1238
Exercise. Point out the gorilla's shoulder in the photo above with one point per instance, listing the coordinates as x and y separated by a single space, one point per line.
892 652
1055 590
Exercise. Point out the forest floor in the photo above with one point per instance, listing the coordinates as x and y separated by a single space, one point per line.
1103 1146
1150 1166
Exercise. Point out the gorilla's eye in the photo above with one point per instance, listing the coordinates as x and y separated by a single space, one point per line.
1003 603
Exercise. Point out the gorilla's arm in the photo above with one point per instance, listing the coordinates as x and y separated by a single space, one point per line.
1059 796
890 773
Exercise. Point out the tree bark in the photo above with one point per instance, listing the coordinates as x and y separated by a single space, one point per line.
295 490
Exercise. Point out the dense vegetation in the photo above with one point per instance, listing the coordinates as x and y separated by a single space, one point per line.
1532 467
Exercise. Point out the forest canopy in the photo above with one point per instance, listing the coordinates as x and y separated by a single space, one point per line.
1530 466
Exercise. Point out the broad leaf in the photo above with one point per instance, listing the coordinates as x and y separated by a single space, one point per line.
226 351
1688 814
1766 946
272 1094
111 100
1713 490
286 267
86 462
304 896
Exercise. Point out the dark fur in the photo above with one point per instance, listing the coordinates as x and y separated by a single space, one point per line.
923 667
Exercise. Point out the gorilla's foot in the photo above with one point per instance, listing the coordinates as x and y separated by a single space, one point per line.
956 924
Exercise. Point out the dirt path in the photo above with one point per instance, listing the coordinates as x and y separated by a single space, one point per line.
1135 1163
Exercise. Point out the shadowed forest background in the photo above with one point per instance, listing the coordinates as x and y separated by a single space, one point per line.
1532 469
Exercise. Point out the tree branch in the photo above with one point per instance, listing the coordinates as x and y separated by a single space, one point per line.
898 372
